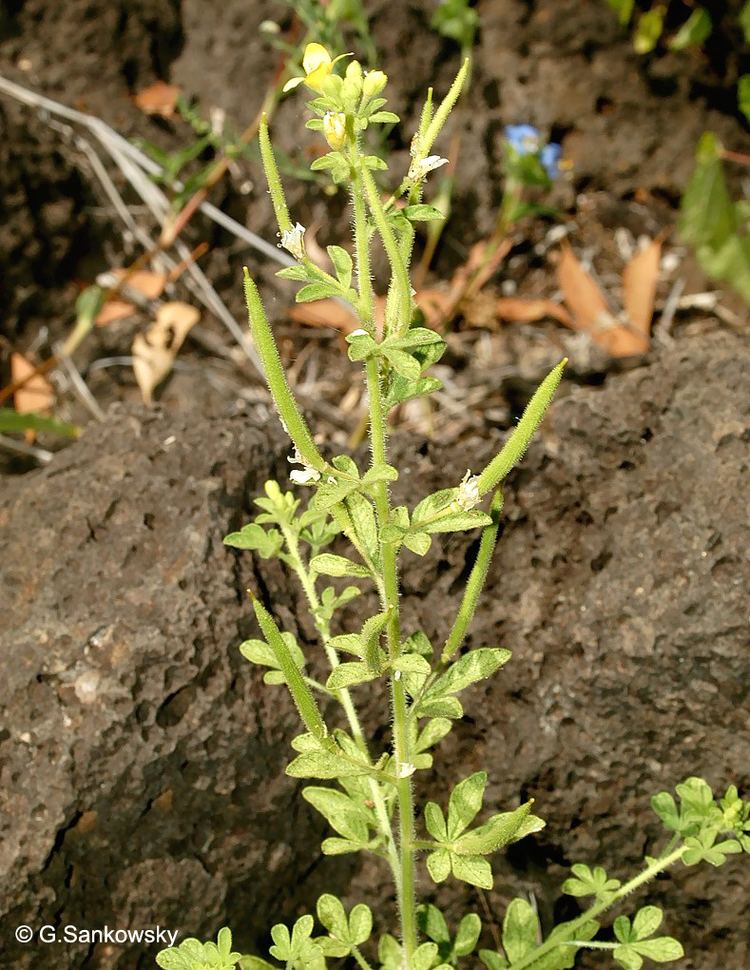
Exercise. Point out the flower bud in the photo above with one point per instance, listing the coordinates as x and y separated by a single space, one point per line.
334 129
373 83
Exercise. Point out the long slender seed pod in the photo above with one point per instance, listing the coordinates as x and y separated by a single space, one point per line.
298 688
276 378
476 581
398 268
272 177
426 117
444 109
515 447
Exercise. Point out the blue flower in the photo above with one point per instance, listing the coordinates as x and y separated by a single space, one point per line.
549 156
524 138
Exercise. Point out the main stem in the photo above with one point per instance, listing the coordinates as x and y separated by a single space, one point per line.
343 696
364 187
407 901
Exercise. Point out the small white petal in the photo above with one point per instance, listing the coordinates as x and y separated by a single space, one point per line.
405 770
304 476
293 240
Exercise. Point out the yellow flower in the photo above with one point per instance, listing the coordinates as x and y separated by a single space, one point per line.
317 65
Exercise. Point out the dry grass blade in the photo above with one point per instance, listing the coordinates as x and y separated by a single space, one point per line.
154 352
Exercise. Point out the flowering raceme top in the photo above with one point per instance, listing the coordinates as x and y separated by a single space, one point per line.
317 64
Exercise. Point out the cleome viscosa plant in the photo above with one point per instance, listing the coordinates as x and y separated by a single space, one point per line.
367 796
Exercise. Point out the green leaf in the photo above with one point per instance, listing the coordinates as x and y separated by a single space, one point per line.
342 263
472 869
743 95
590 882
465 802
255 963
316 291
647 921
705 848
520 930
469 668
432 923
341 811
439 865
422 213
412 663
458 522
361 346
435 822
627 957
467 935
624 9
564 957
649 30
662 949
403 363
431 506
360 924
492 960
384 118
327 564
298 273
433 732
259 652
332 915
424 956
16 422
370 636
744 20
694 31
334 846
324 765
417 542
268 543
349 674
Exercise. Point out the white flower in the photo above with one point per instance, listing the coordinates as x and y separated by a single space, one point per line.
304 476
293 240
468 492
358 333
420 167
405 770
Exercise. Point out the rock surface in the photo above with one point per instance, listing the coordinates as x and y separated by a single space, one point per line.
141 759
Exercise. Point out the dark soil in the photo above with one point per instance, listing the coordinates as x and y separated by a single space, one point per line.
140 757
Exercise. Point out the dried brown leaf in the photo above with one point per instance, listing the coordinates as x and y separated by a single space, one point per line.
114 310
324 313
639 281
36 395
155 350
158 98
146 282
517 310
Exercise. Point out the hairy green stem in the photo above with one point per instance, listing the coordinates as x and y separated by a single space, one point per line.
407 901
652 870
342 694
